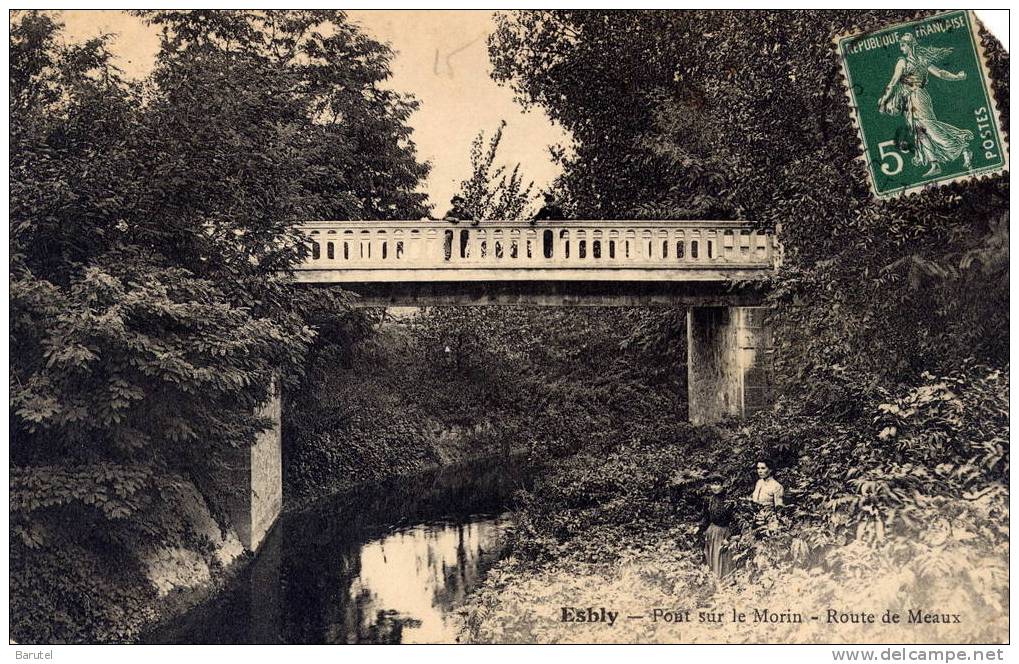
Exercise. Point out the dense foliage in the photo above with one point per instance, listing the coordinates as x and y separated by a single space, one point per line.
678 115
891 321
490 192
904 510
451 383
151 222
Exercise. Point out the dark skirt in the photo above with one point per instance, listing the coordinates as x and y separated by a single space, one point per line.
716 550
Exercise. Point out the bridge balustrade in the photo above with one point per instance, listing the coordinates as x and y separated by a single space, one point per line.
570 245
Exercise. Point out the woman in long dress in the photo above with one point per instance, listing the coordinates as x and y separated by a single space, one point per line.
934 142
718 522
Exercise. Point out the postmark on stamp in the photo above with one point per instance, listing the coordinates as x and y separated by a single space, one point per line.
921 98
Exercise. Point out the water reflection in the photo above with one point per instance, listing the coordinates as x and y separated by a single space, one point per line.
383 564
410 581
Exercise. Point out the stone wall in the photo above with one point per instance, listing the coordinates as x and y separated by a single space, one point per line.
267 475
712 359
729 362
756 350
257 474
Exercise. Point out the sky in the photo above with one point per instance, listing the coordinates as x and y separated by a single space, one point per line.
441 58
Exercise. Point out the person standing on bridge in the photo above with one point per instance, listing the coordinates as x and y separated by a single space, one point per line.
550 211
458 211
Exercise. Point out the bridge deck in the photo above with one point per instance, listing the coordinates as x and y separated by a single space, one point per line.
556 262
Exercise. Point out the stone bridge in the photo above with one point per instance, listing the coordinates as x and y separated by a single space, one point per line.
428 263
718 270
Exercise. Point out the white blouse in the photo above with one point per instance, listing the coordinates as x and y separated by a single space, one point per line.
768 492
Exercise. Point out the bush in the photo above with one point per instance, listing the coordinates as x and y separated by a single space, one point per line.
448 384
902 507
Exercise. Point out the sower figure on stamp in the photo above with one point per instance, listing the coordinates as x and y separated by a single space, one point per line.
717 528
934 142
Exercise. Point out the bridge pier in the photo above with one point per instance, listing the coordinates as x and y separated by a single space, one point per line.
258 473
729 354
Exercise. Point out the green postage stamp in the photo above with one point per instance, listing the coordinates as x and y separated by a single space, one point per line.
921 98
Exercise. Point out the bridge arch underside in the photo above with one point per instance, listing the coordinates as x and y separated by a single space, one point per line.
729 359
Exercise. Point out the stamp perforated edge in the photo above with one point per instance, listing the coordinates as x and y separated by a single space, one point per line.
976 28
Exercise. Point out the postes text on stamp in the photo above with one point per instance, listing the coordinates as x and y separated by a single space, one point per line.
921 98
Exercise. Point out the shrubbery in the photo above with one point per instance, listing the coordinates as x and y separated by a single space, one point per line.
447 384
911 519
150 224
889 319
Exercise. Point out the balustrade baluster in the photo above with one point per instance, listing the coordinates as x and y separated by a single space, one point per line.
728 246
480 237
431 249
471 250
367 250
316 246
413 239
399 248
498 245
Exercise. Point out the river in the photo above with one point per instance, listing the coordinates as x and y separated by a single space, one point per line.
386 563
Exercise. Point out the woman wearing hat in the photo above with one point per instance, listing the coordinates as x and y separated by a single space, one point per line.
718 522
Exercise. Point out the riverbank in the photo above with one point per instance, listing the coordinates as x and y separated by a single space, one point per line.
660 593
343 494
870 526
371 509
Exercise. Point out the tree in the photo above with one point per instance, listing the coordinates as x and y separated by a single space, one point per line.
676 114
491 193
152 226
463 334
